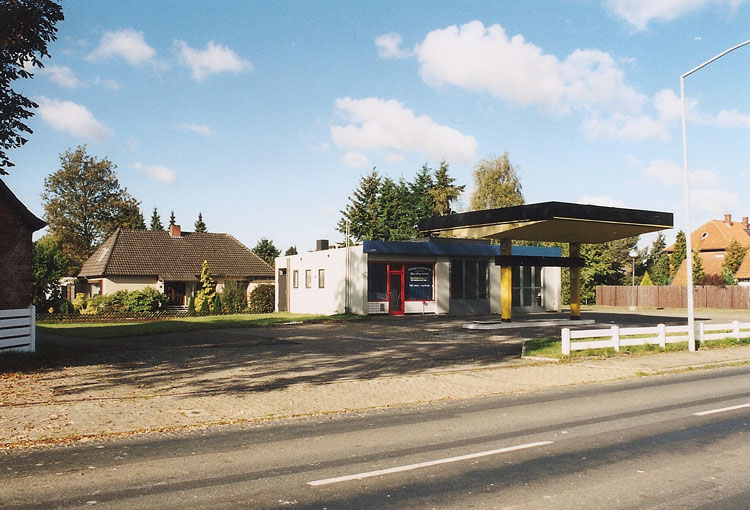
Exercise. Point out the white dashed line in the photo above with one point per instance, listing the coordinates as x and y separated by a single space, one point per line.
723 409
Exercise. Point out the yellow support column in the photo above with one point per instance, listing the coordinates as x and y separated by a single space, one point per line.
575 283
506 285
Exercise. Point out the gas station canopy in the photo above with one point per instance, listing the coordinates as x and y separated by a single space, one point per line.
560 222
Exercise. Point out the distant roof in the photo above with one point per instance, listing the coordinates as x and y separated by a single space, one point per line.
549 221
466 249
713 263
157 253
27 217
715 235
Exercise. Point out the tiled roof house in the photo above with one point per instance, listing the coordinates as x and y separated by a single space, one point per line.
171 262
711 240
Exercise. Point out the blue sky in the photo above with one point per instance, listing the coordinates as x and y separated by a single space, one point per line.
264 115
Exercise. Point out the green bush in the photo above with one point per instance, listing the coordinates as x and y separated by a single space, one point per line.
79 302
204 309
216 305
261 299
191 305
145 300
232 297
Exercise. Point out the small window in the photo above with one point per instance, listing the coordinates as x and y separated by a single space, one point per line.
308 278
321 278
295 279
704 235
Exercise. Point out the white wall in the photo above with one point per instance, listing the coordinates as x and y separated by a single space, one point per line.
552 284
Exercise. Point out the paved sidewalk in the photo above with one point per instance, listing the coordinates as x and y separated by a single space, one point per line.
228 376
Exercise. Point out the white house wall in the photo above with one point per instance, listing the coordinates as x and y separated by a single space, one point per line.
552 284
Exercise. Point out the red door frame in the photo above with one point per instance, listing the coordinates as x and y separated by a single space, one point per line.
399 272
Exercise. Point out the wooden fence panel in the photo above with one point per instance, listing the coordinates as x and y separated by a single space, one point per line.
722 298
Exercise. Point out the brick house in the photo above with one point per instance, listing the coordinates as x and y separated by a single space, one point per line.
17 224
171 262
711 240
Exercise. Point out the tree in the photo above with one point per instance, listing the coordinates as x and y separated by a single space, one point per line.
606 264
397 220
657 261
362 210
27 27
496 184
172 219
48 265
679 253
84 204
156 221
292 250
422 202
266 250
733 257
444 193
200 225
205 295
698 272
646 281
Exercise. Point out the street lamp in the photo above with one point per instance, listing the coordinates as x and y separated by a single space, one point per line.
633 254
689 248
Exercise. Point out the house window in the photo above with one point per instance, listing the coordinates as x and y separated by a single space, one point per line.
419 281
377 282
321 278
469 279
295 279
308 278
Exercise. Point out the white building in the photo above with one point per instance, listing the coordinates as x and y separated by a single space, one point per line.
425 276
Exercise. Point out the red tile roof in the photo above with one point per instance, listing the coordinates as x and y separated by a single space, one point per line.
713 263
156 253
716 235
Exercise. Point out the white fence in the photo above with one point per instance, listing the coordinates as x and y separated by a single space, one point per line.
662 335
18 330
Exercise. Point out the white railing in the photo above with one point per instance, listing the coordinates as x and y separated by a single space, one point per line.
18 330
616 337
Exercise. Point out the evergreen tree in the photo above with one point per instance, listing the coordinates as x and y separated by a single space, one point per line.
444 193
172 219
657 261
362 210
156 221
421 197
646 281
733 257
133 220
200 226
292 250
496 184
205 295
698 272
396 217
266 250
679 253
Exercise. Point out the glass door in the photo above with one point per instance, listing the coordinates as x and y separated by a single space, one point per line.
396 291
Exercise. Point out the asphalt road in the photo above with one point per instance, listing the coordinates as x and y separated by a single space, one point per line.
631 444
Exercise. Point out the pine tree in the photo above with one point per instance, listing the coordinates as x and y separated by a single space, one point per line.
172 220
292 250
679 253
396 218
444 192
646 281
362 209
205 295
420 188
657 261
698 272
267 251
733 257
156 221
200 225
496 184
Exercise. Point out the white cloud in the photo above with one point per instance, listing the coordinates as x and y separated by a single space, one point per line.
485 59
389 46
714 201
157 172
201 129
732 119
638 13
671 174
667 112
601 200
128 44
107 83
355 159
395 158
379 124
213 60
62 75
702 177
73 118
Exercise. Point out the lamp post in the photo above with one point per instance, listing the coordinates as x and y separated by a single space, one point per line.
688 243
633 254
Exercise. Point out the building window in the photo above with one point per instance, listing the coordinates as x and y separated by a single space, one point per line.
321 278
527 286
377 282
308 278
295 279
469 279
419 281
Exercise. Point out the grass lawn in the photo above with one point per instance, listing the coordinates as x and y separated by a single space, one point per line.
138 328
551 347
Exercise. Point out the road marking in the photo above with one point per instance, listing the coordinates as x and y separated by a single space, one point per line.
409 467
723 409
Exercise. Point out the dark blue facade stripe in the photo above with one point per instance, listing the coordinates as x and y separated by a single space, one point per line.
455 249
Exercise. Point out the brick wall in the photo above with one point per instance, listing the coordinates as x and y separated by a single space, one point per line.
15 260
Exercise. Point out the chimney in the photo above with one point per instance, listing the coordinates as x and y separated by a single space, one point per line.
745 223
321 244
728 219
175 231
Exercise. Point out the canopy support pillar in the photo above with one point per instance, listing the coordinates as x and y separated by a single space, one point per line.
575 283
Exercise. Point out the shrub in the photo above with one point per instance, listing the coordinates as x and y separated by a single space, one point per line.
231 297
117 302
713 280
79 302
145 300
204 309
262 299
191 305
95 304
216 305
